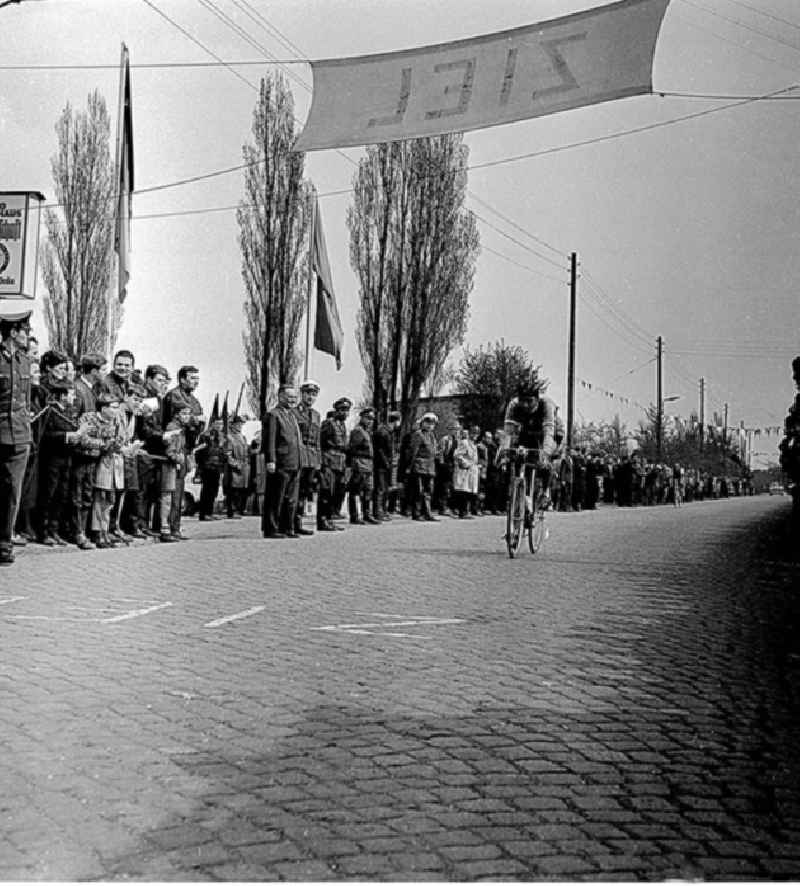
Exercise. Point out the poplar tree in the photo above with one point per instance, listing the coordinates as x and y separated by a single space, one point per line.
413 246
273 223
78 259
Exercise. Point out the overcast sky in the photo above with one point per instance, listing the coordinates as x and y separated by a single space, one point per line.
688 231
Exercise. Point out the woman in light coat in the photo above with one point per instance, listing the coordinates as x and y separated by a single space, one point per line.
465 474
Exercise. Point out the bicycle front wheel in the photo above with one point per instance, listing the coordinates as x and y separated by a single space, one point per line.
515 517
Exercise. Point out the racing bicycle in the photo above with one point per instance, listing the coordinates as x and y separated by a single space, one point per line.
521 515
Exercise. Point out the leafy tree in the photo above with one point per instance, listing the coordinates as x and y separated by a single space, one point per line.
488 378
77 259
681 443
414 247
273 223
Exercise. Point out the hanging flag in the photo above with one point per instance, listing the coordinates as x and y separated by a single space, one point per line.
328 335
580 59
124 168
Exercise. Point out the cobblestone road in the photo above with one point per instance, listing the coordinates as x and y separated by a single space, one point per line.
405 702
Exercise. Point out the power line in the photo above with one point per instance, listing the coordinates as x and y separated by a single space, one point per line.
198 43
486 248
719 97
272 30
741 24
240 32
637 330
776 18
514 224
518 242
625 132
156 65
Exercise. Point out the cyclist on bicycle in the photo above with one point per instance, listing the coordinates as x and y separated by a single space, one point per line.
530 421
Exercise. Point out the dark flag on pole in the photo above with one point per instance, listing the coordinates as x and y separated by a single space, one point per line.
328 335
124 168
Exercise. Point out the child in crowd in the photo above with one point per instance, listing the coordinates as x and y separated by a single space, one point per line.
105 428
59 434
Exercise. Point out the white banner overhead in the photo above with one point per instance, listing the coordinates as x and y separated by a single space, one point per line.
580 59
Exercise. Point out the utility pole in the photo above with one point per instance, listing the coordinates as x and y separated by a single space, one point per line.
573 294
702 411
659 396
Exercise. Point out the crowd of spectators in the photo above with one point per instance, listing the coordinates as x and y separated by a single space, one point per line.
100 457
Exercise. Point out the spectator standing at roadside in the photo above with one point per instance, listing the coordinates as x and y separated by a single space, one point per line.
183 395
478 501
308 420
173 466
443 482
466 475
492 474
385 444
15 426
83 462
150 430
280 443
566 473
593 471
105 429
360 460
333 445
211 457
237 470
578 480
422 467
26 511
59 434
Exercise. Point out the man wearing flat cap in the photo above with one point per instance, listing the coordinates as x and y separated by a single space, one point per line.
280 443
360 460
333 446
308 420
422 467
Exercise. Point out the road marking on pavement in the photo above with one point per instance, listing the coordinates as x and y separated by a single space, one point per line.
378 627
235 617
135 613
124 614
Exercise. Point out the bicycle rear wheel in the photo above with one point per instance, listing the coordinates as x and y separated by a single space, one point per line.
515 517
537 532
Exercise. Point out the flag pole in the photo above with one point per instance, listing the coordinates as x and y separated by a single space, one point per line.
311 274
117 168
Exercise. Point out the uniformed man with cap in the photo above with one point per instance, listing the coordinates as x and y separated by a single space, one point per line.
333 452
15 425
308 420
236 477
422 466
360 460
386 444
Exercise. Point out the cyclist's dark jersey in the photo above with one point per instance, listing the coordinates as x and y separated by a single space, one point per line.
536 426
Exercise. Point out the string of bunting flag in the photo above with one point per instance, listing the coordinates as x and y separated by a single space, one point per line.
626 401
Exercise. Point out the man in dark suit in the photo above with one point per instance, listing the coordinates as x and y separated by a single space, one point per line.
280 443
